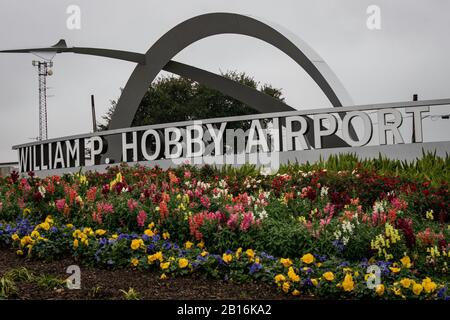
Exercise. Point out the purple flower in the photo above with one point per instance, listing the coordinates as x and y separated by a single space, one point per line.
267 256
384 266
307 282
339 245
442 292
122 236
200 258
255 267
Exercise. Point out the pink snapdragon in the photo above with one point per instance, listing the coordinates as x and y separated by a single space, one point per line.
132 204
233 220
247 221
141 217
60 204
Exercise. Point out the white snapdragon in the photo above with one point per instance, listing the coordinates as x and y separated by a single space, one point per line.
41 190
323 191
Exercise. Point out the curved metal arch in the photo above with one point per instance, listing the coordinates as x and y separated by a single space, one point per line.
203 26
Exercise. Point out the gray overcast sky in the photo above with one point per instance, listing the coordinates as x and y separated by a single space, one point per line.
410 54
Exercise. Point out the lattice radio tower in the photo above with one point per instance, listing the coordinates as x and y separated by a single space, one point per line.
43 71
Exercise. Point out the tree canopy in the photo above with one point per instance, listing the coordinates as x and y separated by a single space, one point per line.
173 99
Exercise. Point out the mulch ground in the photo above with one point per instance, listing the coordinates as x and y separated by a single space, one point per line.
106 284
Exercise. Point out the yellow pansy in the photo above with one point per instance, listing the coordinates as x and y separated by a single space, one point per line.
397 291
134 262
395 268
227 257
380 289
136 244
250 253
286 262
45 226
183 263
348 283
188 245
406 282
15 237
75 243
153 257
406 262
165 265
149 233
100 232
295 292
26 240
238 253
428 285
292 275
417 288
166 235
308 258
19 252
329 276
279 278
286 287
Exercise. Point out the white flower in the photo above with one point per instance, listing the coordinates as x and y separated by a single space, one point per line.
263 214
378 206
324 192
265 171
345 240
222 184
42 190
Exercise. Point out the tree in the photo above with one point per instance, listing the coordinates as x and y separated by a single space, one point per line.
173 99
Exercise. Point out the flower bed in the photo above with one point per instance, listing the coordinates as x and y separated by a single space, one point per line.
327 233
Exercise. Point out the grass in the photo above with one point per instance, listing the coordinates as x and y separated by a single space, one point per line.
131 294
429 167
9 280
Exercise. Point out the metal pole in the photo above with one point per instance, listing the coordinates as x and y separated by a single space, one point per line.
413 138
42 69
94 119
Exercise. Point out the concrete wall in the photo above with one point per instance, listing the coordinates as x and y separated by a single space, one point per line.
5 171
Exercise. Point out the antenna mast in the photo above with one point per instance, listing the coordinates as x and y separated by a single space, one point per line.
43 71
